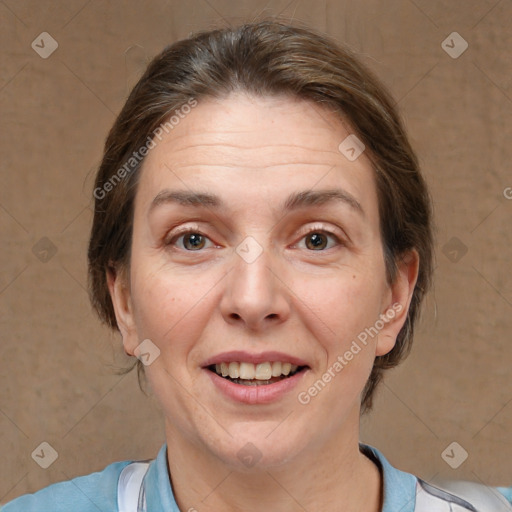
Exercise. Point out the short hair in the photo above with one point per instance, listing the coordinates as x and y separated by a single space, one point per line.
266 58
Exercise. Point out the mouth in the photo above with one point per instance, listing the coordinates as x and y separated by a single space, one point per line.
260 374
255 378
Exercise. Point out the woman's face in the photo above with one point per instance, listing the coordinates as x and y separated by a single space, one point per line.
256 241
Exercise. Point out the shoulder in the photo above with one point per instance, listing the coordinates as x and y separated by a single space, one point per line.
97 491
408 493
462 496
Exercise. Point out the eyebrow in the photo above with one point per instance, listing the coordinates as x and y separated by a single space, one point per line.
295 201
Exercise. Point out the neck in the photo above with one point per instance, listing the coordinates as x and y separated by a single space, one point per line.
333 477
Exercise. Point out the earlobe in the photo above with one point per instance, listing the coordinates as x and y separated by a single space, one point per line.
402 290
119 288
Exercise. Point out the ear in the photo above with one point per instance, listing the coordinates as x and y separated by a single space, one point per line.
119 287
398 301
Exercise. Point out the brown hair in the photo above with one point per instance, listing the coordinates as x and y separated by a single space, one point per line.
266 58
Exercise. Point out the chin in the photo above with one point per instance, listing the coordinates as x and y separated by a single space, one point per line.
256 447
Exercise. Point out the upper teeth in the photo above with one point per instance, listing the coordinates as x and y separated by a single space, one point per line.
260 371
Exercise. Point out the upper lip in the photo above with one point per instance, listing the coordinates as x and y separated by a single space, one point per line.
247 357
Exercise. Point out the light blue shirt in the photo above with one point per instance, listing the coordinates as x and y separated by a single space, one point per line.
97 492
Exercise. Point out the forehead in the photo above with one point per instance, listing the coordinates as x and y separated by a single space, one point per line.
255 147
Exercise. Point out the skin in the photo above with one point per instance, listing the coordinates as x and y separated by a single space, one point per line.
305 301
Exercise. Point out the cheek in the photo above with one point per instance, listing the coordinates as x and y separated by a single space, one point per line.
171 309
339 307
337 313
159 305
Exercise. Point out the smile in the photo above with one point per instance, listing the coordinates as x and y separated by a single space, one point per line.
250 374
255 378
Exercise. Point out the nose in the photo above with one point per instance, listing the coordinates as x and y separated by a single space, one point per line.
255 296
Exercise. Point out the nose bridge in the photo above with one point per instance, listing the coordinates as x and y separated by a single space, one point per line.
254 268
255 295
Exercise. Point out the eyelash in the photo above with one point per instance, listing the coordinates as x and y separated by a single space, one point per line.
197 231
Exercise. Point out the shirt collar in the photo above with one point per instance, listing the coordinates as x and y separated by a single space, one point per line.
399 488
157 485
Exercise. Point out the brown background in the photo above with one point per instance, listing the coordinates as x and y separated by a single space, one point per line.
58 380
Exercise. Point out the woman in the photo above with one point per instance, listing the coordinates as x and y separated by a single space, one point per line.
262 240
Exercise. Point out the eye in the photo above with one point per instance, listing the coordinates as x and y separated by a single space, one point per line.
193 240
317 239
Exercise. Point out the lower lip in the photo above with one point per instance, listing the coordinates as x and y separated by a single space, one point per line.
262 394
